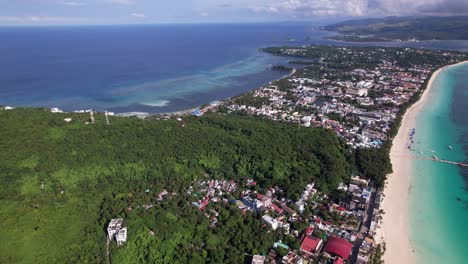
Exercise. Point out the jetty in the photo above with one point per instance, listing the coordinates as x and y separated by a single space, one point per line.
433 159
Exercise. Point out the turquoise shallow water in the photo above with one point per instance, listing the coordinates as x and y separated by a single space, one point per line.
439 197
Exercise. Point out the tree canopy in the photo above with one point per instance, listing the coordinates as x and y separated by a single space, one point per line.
63 182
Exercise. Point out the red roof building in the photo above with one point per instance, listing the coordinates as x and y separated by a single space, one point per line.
288 210
309 231
204 204
265 200
338 247
276 208
311 245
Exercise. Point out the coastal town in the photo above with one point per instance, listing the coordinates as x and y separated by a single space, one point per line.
359 94
360 99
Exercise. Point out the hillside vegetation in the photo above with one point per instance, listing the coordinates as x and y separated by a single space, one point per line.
63 182
402 28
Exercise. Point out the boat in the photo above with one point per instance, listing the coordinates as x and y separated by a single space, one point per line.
450 147
435 157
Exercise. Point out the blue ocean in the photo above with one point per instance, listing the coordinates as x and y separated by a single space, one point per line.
146 68
158 68
439 192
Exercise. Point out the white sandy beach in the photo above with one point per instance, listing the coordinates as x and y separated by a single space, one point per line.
394 229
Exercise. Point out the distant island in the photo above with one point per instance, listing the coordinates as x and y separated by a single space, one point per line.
401 29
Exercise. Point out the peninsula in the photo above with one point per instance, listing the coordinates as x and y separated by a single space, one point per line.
401 29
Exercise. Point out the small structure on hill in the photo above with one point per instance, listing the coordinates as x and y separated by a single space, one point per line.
55 110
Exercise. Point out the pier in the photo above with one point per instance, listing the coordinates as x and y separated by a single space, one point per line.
433 159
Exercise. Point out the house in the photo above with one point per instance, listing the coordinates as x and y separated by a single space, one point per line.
359 181
308 232
338 260
337 208
322 225
357 91
250 203
197 112
311 245
263 201
204 204
277 208
117 230
271 256
292 258
300 205
161 194
280 244
288 210
257 259
338 247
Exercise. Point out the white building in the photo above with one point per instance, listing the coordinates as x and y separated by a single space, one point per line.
300 205
121 236
55 110
257 259
357 91
117 230
271 222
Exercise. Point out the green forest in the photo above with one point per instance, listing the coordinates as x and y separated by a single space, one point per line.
63 182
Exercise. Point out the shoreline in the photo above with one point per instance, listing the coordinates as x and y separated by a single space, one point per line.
394 229
219 102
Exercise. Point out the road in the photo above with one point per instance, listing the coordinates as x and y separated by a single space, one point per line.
364 226
107 250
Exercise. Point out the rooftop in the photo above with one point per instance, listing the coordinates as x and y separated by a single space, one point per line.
339 246
310 244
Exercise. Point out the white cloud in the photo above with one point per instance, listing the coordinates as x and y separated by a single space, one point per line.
138 15
122 2
309 8
404 7
74 3
39 19
204 14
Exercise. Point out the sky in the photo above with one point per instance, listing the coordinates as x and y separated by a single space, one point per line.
76 12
